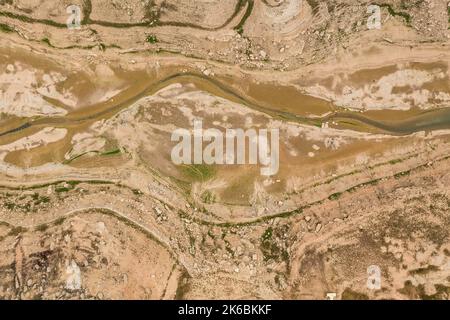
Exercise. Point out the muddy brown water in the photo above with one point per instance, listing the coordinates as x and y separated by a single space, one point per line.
438 119
281 102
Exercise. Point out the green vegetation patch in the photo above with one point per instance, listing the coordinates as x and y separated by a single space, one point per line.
184 286
240 27
208 197
47 42
5 28
314 4
392 12
267 235
448 13
335 196
152 39
199 172
269 247
111 152
418 292
349 294
16 231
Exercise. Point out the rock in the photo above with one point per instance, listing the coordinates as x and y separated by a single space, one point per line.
318 227
429 289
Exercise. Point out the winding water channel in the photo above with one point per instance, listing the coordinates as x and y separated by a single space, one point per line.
424 121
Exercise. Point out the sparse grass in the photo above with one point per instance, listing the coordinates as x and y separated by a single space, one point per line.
395 161
314 4
41 227
267 235
349 294
192 241
9 205
394 13
87 9
199 172
240 26
59 221
26 207
61 189
448 13
16 231
270 249
208 197
211 235
47 42
228 248
106 153
183 286
419 292
335 196
402 174
423 271
5 28
409 290
111 152
41 199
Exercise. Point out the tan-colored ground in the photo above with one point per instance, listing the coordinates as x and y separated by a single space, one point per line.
92 207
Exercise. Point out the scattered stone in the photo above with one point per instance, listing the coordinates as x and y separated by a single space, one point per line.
318 227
